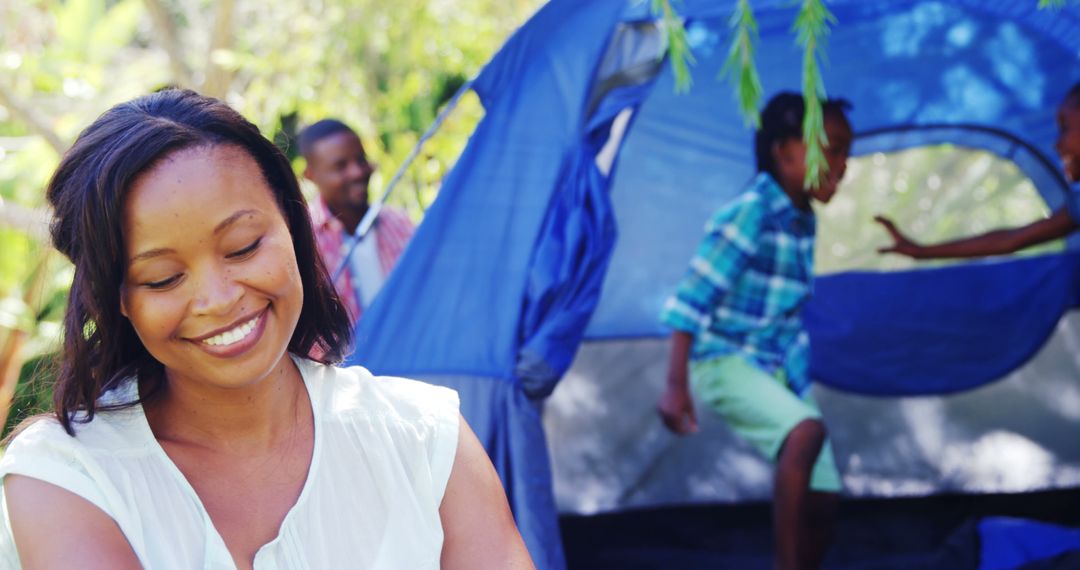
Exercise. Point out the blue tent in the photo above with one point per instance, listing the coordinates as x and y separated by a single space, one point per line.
573 210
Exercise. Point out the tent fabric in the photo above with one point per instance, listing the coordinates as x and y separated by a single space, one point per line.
1008 543
507 423
683 157
901 63
570 257
911 69
574 245
453 305
611 453
936 331
478 238
502 263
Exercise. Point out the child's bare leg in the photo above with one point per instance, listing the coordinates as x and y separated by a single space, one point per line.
790 490
819 521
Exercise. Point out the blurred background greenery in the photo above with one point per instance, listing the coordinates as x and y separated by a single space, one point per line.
383 67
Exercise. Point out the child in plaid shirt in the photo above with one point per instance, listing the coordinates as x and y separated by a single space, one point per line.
738 336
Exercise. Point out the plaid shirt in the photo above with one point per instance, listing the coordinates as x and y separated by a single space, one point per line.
747 283
393 228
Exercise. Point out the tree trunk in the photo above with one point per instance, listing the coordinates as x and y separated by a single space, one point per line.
218 77
170 40
11 353
11 362
24 114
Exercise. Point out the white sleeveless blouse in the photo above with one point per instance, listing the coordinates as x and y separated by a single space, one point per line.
384 448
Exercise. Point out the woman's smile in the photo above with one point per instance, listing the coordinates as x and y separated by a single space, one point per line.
235 339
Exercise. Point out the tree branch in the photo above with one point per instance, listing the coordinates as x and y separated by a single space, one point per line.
218 78
32 221
170 41
11 351
27 116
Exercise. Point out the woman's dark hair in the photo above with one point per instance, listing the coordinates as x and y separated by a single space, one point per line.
782 119
87 193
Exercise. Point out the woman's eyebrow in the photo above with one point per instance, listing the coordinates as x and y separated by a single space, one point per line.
231 219
150 253
217 230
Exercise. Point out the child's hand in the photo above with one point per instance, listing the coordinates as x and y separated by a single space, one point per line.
901 243
676 409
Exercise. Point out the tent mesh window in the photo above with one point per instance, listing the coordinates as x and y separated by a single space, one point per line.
933 193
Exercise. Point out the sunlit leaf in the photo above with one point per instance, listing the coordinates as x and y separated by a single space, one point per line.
74 22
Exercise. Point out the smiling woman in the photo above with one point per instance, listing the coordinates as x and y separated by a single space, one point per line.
199 420
202 288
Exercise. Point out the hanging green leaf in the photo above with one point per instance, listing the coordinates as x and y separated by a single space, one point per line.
678 47
739 67
812 24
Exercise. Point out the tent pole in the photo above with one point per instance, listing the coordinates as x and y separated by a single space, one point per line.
368 221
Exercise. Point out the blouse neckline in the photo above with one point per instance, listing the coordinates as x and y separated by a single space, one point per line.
213 535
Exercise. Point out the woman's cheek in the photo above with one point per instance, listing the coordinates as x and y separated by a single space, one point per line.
281 268
153 318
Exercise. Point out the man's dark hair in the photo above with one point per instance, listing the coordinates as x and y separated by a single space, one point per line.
318 131
781 120
87 193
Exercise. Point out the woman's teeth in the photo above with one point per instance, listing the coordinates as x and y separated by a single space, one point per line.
234 335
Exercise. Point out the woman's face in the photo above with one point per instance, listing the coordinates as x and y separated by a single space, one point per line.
211 285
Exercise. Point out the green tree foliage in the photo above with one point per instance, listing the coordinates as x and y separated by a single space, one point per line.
384 67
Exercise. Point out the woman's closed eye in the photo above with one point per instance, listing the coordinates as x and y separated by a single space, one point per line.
245 252
163 283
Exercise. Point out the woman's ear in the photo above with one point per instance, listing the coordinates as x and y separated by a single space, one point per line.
123 302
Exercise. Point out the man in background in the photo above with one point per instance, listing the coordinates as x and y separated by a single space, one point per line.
338 166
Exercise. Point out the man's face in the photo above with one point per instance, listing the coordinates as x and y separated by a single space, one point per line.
338 166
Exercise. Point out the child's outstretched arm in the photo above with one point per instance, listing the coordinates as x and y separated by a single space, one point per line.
676 406
997 242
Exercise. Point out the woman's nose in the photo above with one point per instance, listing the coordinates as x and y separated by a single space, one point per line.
217 292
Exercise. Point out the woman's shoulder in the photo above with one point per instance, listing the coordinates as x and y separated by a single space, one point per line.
397 419
109 433
348 392
38 431
43 450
